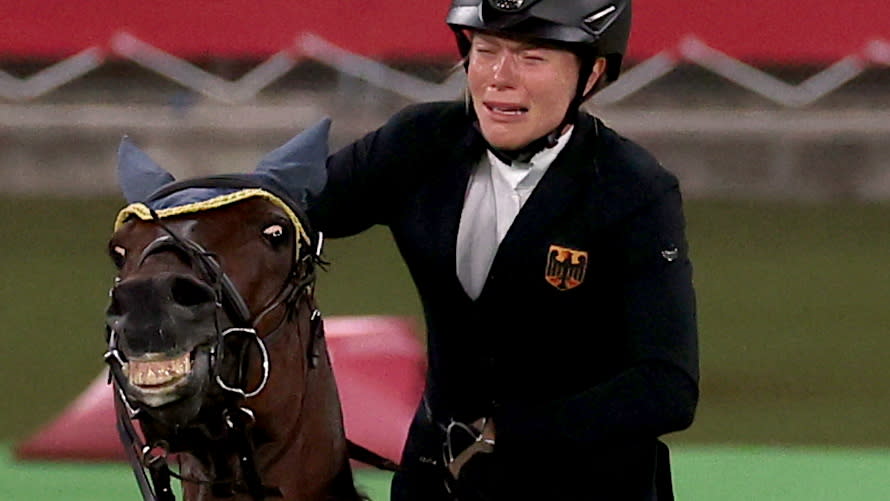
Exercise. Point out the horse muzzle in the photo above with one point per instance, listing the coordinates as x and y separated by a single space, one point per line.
165 328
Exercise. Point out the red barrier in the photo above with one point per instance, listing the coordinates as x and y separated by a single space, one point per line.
378 362
815 31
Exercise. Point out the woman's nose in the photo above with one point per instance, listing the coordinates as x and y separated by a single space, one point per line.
503 71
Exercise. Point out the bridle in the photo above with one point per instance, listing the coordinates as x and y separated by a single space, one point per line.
149 461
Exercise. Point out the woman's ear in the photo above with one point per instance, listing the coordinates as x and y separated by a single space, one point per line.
599 68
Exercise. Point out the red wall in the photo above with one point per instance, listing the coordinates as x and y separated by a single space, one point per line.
752 30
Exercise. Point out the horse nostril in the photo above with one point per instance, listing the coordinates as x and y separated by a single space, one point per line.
187 292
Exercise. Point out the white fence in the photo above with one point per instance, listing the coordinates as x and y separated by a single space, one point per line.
788 149
691 51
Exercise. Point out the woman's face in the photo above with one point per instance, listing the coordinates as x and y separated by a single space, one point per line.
520 91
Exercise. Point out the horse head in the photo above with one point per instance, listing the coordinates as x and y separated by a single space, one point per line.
212 327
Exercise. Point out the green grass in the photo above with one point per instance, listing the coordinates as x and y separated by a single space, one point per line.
780 474
792 309
73 481
700 473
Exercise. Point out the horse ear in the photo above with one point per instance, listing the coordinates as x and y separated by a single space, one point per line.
137 174
299 165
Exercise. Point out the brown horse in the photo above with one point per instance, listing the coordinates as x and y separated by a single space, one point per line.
215 343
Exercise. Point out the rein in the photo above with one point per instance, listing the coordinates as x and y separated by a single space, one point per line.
149 462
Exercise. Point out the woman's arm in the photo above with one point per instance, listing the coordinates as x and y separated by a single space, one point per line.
367 179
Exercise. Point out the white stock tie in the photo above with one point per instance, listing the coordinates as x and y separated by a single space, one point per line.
495 194
477 239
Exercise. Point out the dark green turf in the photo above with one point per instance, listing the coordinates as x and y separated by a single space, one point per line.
793 319
700 473
792 301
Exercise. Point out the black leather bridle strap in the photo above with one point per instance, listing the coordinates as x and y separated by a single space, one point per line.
160 476
128 437
249 471
231 300
158 489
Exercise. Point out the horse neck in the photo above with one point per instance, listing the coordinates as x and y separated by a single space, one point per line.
300 444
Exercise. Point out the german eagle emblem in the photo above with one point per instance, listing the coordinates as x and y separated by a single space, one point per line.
565 267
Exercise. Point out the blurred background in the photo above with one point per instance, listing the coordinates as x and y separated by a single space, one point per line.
773 113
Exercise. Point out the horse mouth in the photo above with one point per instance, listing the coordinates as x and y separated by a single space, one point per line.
152 374
157 379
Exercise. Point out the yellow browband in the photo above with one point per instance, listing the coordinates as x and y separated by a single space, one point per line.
141 211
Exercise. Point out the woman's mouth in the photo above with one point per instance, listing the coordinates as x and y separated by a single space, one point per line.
505 109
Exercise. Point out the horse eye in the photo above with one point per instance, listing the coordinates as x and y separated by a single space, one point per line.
118 255
276 234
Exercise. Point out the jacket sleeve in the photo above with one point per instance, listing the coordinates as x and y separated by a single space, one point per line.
366 179
657 392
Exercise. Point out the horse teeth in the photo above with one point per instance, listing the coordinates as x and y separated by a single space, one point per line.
158 372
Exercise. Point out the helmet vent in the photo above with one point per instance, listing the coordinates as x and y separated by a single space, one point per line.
597 20
508 5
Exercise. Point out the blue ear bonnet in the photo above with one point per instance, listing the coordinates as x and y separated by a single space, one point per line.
287 176
296 169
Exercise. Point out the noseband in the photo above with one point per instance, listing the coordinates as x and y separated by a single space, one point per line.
150 459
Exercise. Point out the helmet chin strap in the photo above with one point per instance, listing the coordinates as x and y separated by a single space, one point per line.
549 140
524 154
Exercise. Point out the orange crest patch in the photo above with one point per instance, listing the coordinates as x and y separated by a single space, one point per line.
565 267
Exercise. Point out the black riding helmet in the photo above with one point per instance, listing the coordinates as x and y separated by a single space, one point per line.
589 28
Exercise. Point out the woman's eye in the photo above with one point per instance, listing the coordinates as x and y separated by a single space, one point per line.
533 57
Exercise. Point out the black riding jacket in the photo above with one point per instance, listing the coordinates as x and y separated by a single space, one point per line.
580 376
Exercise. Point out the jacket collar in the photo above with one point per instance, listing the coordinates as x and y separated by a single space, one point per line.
573 172
566 178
